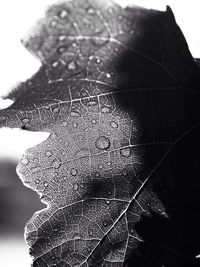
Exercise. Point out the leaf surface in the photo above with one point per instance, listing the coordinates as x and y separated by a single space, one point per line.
119 92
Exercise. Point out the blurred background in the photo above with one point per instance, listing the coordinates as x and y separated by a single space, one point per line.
18 203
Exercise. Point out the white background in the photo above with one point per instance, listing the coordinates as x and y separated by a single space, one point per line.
17 16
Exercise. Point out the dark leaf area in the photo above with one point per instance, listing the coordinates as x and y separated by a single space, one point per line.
119 92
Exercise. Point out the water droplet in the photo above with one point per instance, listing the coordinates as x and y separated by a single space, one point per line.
113 125
75 114
90 233
125 152
94 121
98 60
56 164
61 49
97 174
73 172
105 109
90 10
61 38
37 181
53 23
25 161
55 64
63 14
75 125
26 120
108 75
75 186
102 143
72 65
64 123
56 110
48 153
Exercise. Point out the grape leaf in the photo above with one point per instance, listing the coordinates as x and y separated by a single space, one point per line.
118 91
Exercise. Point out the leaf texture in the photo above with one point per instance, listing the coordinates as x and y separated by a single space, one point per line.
118 91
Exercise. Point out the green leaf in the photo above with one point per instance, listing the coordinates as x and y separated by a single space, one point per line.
119 92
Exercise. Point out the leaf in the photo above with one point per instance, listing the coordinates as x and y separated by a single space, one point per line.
119 92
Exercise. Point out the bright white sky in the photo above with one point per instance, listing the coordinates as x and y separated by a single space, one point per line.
17 64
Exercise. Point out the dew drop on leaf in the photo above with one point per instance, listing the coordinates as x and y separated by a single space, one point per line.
102 143
125 152
98 60
26 120
62 38
113 125
94 121
55 64
109 163
97 174
74 172
63 14
37 181
105 109
48 153
90 10
71 65
90 233
56 110
53 24
25 161
75 186
64 123
61 49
